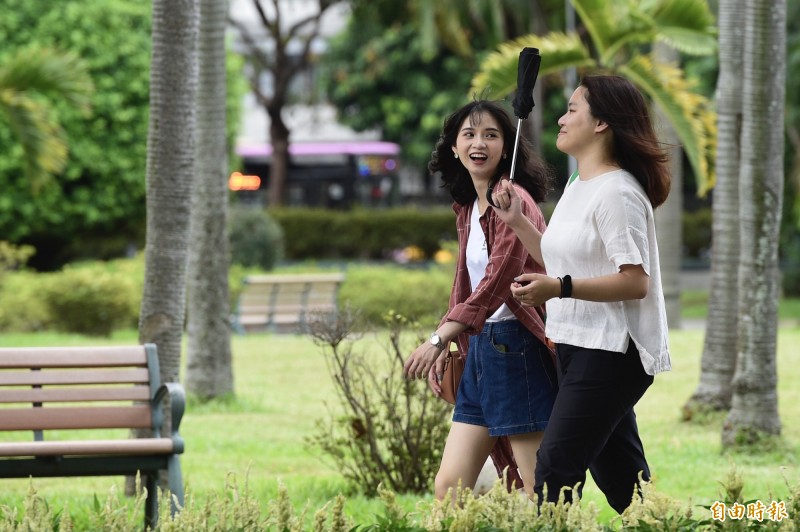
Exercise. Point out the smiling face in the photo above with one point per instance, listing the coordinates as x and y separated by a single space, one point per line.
577 125
479 145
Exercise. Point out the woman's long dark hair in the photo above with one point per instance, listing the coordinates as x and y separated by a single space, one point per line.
616 101
532 173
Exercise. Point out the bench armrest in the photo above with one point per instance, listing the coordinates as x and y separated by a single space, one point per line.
177 401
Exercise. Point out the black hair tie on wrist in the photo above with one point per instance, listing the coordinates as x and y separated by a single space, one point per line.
566 286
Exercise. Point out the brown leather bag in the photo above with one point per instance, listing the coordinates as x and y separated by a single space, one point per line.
453 368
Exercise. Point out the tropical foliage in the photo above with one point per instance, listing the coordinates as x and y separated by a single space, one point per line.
620 35
25 78
94 206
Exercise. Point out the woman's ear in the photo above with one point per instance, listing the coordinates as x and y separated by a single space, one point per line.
601 126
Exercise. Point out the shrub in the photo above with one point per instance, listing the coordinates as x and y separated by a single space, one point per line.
386 430
420 294
697 233
363 234
13 257
22 308
255 239
90 301
791 268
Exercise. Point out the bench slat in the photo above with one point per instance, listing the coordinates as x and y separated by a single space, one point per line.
72 357
93 417
82 448
288 278
109 376
61 395
284 302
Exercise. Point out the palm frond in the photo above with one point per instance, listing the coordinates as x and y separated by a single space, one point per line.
686 25
498 71
43 144
55 75
688 41
609 22
689 112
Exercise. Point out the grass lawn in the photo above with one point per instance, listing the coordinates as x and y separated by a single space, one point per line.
282 386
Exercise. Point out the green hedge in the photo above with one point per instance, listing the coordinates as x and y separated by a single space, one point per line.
419 294
363 234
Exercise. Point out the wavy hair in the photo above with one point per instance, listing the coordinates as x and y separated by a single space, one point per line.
617 102
531 172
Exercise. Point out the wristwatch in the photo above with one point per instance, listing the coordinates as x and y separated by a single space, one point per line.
436 341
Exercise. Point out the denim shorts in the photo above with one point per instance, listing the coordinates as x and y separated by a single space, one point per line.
509 382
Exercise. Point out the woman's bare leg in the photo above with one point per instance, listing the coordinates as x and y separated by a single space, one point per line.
524 447
464 454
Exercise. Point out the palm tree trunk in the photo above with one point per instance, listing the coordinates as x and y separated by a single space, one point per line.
170 172
754 406
718 362
669 215
208 359
170 176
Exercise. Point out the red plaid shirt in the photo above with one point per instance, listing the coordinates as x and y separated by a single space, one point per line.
507 259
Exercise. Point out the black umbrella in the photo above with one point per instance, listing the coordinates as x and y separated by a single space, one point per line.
527 72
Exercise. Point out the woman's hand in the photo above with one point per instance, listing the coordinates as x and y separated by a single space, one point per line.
425 362
509 204
534 289
435 376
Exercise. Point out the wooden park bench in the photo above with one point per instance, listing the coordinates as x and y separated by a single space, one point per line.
285 302
87 390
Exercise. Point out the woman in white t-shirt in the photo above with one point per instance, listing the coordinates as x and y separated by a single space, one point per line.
605 305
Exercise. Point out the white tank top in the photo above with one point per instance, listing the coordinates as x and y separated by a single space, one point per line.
478 259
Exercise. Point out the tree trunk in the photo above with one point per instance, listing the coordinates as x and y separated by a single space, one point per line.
669 216
279 164
208 358
718 362
754 406
170 172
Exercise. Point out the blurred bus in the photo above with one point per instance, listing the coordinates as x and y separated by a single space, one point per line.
324 174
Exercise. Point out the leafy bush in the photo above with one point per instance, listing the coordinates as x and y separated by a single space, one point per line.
22 308
90 301
420 294
99 198
791 268
386 430
363 234
697 233
13 257
255 239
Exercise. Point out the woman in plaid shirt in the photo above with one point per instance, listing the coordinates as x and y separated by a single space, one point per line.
509 384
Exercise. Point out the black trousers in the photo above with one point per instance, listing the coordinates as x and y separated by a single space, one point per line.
593 426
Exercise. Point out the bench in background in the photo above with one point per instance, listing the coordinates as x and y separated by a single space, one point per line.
284 302
85 390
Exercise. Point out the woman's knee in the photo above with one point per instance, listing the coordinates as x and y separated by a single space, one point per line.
445 482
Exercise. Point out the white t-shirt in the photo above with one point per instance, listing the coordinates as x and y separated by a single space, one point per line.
597 226
478 259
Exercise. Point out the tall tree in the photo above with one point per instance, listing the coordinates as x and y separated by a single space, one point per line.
170 174
170 178
282 52
30 80
208 362
618 33
718 361
669 215
362 63
754 406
